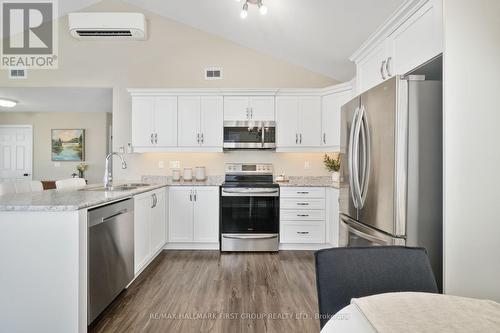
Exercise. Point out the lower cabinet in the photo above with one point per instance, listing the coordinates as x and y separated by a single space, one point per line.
193 214
150 222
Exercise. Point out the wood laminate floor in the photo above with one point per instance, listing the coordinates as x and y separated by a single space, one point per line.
206 291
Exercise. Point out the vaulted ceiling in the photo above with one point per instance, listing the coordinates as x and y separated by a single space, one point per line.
319 35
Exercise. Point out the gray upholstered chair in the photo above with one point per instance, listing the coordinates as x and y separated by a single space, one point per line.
353 272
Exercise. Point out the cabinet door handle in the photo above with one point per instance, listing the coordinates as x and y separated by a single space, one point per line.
153 204
302 192
300 138
303 232
198 138
156 137
303 215
296 138
251 113
248 113
191 196
387 66
151 138
195 194
324 138
202 138
382 70
302 204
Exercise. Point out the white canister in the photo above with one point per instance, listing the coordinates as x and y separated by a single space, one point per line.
176 175
200 173
188 174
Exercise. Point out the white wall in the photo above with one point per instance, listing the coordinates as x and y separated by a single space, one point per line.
96 129
174 56
472 153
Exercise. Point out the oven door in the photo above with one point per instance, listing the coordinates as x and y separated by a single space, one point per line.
248 210
249 135
355 234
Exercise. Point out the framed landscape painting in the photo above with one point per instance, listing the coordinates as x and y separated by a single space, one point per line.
68 145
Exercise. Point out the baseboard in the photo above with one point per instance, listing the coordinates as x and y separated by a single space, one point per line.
191 246
304 247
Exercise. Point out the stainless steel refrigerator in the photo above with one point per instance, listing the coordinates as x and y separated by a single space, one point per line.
391 167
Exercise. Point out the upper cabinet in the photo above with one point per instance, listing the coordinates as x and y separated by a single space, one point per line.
200 121
244 108
411 37
298 121
154 122
330 118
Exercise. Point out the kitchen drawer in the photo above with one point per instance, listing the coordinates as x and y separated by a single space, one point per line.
309 215
302 192
301 204
302 232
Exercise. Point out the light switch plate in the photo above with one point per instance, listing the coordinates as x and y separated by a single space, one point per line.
161 164
175 164
57 164
307 165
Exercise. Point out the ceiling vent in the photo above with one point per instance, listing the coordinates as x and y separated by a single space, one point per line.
213 73
107 26
18 73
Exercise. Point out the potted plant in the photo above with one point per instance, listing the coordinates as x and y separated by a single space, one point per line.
332 164
82 167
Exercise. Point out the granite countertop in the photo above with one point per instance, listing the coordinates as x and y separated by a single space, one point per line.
65 200
309 181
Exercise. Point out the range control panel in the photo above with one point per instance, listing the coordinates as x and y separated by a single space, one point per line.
249 169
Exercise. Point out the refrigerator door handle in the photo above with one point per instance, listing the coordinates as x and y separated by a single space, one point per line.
372 238
355 158
365 139
350 161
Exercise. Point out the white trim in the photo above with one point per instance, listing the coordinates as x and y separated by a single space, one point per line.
298 149
191 246
177 149
401 14
304 247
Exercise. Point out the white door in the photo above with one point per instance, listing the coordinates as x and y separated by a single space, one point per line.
158 220
180 214
330 117
371 70
189 121
165 121
206 214
310 121
262 108
142 227
142 121
16 151
287 116
236 108
212 119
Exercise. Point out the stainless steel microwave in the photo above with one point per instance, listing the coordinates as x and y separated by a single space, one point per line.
249 135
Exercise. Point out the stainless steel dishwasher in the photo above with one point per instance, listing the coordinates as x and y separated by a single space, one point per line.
110 254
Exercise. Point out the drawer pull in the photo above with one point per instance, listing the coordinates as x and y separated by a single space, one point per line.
303 215
303 232
302 192
302 203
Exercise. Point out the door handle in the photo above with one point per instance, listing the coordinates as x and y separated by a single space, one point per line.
248 113
303 232
250 237
300 138
156 137
202 138
303 215
324 138
191 196
387 65
152 141
350 157
382 70
195 194
302 204
251 113
198 138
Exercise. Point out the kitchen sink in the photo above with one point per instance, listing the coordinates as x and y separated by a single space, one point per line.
117 188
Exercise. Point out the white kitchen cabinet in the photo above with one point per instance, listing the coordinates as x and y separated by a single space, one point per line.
330 118
154 121
193 214
158 220
332 216
200 121
244 108
149 226
298 121
412 36
302 215
419 39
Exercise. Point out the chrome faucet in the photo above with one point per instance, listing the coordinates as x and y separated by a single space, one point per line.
108 174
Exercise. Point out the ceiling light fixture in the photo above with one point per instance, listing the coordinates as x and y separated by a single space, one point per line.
7 103
258 3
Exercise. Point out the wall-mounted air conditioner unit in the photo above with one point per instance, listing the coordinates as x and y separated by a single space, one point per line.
107 26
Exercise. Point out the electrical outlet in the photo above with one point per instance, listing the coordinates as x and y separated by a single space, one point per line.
161 164
307 165
175 164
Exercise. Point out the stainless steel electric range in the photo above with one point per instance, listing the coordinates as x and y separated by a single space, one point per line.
249 208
